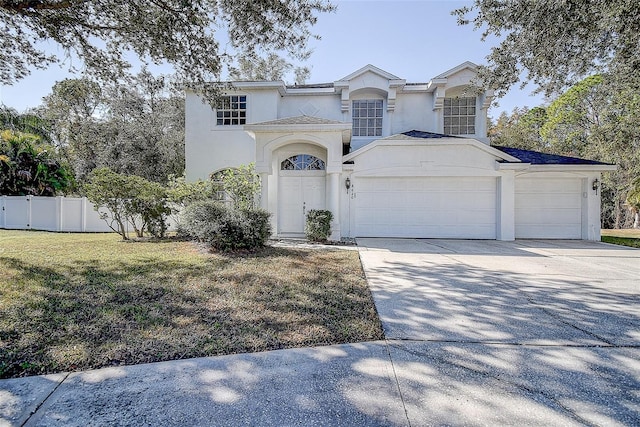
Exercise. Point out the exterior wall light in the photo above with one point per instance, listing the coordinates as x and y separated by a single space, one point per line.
595 185
347 183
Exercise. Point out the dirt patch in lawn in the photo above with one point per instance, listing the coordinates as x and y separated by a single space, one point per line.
78 301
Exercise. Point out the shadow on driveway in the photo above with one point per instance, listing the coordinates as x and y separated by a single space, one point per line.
499 326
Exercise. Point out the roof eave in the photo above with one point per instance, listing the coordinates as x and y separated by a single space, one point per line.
433 141
556 167
319 127
590 168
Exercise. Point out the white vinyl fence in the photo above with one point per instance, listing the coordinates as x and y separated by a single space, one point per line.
72 214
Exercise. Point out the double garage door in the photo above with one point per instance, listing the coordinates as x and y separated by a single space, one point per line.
464 207
424 207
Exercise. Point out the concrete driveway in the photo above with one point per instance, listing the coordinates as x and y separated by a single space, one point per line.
518 333
478 333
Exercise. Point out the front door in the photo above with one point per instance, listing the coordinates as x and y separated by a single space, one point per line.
298 194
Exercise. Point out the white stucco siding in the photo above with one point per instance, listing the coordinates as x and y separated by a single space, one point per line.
549 208
210 147
369 80
413 111
326 106
438 157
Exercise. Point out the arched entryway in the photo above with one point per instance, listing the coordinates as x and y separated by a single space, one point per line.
301 188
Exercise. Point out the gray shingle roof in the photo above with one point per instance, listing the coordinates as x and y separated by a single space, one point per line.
419 134
537 158
301 120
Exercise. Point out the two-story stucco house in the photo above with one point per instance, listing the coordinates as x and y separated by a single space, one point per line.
391 158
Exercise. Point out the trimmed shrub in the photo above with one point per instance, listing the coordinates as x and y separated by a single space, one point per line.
258 226
128 198
224 227
318 225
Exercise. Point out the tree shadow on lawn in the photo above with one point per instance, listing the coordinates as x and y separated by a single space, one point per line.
89 314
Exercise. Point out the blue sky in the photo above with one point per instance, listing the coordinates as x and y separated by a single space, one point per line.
415 40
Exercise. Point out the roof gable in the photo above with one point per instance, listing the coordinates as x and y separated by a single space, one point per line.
372 69
416 137
467 65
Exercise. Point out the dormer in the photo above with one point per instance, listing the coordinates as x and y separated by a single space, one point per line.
369 79
460 108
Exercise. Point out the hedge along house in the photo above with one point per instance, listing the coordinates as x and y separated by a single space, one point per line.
391 159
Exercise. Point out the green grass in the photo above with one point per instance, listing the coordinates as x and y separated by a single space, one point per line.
80 301
625 237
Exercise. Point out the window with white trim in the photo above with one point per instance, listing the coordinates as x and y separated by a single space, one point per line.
232 110
460 116
367 117
302 162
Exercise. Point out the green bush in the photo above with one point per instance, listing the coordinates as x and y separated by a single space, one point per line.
128 198
258 227
318 225
224 227
30 167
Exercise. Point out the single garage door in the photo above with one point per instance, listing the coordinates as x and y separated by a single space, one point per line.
548 208
424 207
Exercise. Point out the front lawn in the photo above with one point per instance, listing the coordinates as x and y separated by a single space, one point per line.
625 237
79 301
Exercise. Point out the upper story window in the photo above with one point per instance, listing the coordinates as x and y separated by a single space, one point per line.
232 110
460 116
302 162
367 117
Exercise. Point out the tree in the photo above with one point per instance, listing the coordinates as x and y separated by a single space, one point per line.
557 43
144 128
29 167
128 199
573 116
181 194
72 109
134 128
182 33
29 122
252 67
521 129
241 185
633 202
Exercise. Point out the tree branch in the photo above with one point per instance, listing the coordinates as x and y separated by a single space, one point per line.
38 5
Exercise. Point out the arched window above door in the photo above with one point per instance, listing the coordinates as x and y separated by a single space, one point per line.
302 162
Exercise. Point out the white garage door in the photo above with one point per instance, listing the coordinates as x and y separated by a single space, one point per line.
548 208
424 207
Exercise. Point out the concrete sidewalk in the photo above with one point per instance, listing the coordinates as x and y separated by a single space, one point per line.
478 333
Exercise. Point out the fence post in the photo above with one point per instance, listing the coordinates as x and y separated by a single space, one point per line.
28 212
4 211
83 214
59 213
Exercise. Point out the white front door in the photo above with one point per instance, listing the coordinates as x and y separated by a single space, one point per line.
298 193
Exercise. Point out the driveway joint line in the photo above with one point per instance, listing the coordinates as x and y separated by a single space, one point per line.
538 306
39 405
499 379
553 315
510 343
395 376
